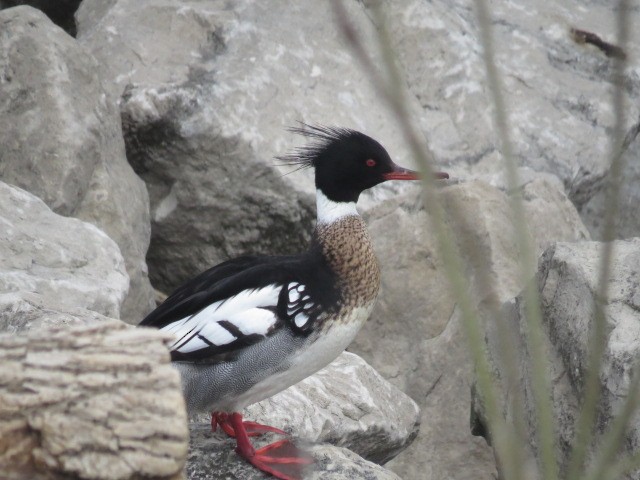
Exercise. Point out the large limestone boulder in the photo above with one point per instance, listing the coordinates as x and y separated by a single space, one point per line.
62 141
65 260
206 111
252 77
347 404
94 402
557 89
567 282
212 196
414 337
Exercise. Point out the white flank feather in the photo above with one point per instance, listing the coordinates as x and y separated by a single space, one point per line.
254 321
242 310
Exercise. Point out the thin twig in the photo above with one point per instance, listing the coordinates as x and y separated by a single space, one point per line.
535 335
610 445
598 340
622 467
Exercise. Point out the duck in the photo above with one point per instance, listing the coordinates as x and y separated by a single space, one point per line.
252 326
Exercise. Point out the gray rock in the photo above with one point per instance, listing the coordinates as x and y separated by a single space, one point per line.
413 337
627 221
557 91
23 311
97 402
117 202
445 447
334 463
567 280
347 404
412 273
212 197
212 457
207 111
253 76
62 140
551 216
70 262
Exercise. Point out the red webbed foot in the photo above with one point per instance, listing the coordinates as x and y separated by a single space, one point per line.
281 459
253 429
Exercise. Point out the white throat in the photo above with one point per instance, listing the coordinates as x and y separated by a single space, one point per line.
330 211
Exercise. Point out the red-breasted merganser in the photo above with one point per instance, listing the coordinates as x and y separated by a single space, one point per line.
255 325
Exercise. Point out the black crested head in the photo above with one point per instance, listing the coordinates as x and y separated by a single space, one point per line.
346 162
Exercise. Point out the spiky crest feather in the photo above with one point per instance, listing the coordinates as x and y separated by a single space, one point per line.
323 137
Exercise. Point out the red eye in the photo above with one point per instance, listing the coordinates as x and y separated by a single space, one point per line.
371 162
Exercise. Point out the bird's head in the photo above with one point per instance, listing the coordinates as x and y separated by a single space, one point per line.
347 162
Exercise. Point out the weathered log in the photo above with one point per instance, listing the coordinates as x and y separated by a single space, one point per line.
97 402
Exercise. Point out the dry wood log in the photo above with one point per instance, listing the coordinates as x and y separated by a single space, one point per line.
98 402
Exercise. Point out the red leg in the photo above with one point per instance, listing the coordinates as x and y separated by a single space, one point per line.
222 419
253 429
281 459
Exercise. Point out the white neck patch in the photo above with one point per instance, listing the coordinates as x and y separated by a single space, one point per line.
330 211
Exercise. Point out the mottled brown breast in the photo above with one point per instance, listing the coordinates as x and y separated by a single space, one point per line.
347 247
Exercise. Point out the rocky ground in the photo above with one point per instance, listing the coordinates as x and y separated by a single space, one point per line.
137 140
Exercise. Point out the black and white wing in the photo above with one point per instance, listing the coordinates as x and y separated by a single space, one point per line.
238 304
227 324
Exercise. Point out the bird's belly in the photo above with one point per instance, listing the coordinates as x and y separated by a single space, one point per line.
314 355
